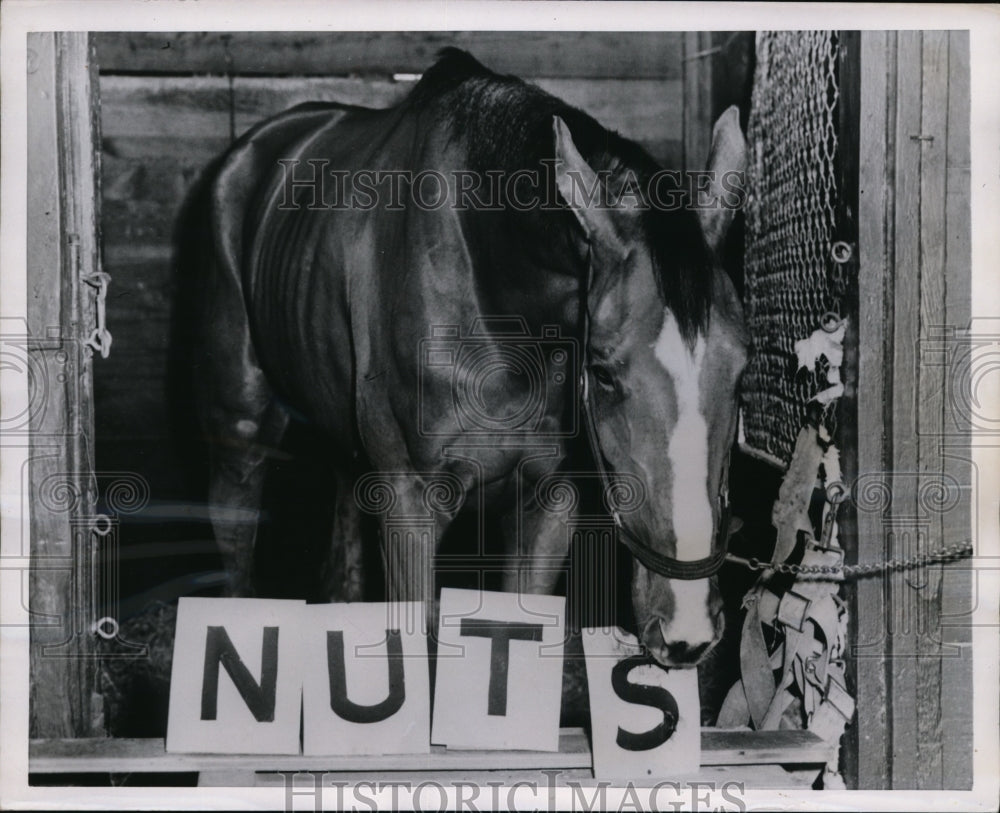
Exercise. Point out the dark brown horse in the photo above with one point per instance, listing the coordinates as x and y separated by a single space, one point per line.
454 290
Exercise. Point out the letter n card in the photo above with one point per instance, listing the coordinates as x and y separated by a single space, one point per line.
366 680
235 684
499 670
645 720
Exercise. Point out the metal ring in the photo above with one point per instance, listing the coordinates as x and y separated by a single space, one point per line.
107 628
836 492
841 252
830 321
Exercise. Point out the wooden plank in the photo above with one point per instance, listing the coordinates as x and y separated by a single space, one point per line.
649 55
62 249
165 107
905 764
137 227
959 254
640 109
874 369
191 119
847 165
187 152
957 586
957 719
151 176
721 747
231 778
758 777
697 98
930 409
256 98
148 755
934 135
44 243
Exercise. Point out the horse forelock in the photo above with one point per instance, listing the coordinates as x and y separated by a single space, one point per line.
682 267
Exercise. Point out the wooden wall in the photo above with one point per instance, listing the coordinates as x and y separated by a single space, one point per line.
916 488
170 103
62 255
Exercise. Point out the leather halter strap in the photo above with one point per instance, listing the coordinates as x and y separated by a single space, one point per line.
651 559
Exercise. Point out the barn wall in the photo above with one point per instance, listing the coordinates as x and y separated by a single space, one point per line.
172 102
62 259
913 630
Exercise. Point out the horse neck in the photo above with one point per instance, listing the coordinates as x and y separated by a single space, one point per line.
527 265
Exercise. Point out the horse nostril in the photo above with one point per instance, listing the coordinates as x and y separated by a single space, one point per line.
683 652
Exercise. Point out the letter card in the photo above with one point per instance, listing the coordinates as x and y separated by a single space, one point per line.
235 682
499 670
366 681
645 720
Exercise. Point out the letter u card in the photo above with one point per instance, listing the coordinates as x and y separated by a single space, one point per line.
645 720
235 682
365 682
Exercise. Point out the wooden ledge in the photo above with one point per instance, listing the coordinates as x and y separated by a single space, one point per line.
110 755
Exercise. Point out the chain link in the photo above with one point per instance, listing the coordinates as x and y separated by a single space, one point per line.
950 553
100 337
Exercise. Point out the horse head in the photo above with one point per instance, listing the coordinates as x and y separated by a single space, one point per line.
665 347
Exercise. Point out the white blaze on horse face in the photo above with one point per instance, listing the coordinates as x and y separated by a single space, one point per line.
687 447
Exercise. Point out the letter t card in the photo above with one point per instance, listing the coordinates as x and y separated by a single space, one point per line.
645 720
499 670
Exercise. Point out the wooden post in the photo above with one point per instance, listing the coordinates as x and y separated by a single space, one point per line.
697 73
956 451
62 255
874 252
913 673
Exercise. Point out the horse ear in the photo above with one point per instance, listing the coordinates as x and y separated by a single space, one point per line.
727 162
578 184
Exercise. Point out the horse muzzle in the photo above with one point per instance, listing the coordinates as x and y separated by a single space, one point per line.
692 629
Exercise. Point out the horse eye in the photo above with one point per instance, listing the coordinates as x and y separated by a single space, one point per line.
603 377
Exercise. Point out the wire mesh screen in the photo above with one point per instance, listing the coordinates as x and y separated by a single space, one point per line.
791 279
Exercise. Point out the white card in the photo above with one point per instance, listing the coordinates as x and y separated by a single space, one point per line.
499 670
366 683
645 720
236 678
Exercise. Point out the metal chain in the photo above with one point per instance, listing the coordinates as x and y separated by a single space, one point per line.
100 337
950 553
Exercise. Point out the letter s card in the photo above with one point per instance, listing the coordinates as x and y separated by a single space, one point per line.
645 720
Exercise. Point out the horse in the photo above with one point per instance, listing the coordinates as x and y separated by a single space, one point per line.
456 290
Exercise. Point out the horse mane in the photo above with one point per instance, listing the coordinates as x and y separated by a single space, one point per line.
506 125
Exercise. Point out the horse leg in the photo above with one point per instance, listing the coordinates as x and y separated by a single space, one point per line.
241 442
343 571
410 538
537 543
